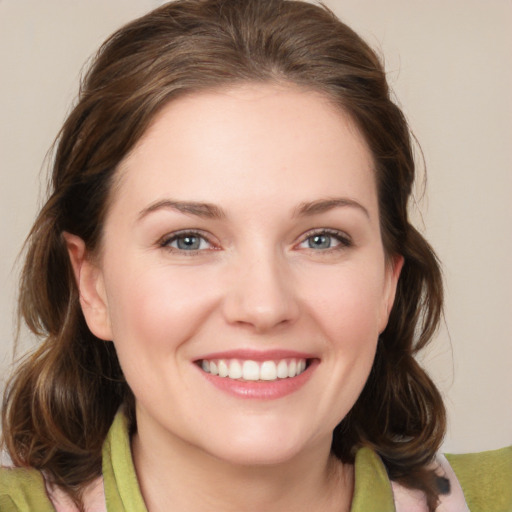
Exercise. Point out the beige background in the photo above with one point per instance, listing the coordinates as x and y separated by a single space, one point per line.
449 62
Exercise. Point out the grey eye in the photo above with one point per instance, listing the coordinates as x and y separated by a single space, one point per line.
188 242
321 241
324 240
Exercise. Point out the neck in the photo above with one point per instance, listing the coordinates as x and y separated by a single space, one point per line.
184 478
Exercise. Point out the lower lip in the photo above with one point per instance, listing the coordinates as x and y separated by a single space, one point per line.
263 390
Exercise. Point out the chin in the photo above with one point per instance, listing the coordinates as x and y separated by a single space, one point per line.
257 455
259 446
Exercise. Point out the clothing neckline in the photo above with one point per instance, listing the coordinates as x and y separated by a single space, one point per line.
122 491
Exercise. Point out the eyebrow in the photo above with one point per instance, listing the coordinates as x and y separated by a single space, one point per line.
205 210
324 205
211 211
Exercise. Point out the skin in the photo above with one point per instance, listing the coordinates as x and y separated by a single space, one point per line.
259 153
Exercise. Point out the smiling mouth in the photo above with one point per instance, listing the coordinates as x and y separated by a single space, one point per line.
249 370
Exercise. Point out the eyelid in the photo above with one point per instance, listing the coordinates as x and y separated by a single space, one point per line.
344 239
165 241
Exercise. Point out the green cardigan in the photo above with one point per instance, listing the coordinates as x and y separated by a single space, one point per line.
486 480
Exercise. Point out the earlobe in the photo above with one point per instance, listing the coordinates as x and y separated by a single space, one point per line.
395 266
89 281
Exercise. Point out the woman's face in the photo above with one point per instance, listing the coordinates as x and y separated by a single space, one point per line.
242 276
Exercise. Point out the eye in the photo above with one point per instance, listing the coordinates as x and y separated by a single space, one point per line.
325 239
186 241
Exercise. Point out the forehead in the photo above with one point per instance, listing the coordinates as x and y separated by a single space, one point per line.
261 139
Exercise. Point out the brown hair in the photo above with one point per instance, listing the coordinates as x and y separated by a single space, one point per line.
60 403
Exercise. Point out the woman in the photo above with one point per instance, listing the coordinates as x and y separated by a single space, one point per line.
214 338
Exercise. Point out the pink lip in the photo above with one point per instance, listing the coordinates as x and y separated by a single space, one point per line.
257 355
263 390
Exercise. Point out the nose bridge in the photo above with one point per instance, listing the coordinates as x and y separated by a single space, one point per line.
261 292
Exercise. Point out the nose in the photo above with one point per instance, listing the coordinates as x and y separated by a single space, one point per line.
261 294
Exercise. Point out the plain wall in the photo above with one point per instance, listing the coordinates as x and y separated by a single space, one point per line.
449 63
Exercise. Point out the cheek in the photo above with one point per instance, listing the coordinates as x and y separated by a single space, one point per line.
154 311
346 303
347 307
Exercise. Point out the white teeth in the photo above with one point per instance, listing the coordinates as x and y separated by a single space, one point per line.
223 369
253 370
268 371
235 370
282 370
250 370
292 368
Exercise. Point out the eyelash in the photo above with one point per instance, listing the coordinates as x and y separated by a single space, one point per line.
173 237
343 239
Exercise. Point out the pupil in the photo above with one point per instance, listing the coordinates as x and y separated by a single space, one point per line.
188 242
320 242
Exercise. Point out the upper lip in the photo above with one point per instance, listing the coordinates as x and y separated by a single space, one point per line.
257 355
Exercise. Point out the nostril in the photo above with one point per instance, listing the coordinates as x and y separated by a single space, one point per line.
261 296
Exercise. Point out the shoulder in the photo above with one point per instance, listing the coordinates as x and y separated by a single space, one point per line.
485 479
23 490
479 482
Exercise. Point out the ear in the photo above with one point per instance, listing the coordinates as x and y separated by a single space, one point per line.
393 268
91 288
